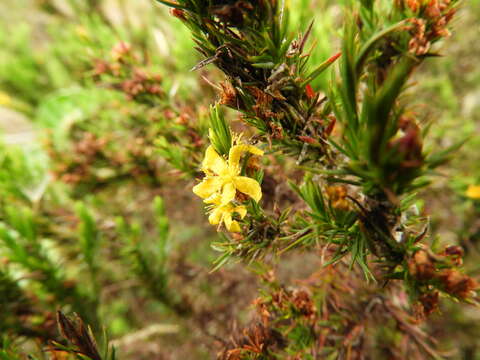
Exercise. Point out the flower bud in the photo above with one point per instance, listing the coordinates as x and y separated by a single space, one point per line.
421 266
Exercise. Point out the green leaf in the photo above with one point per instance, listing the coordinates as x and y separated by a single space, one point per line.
320 69
372 42
88 234
220 134
163 227
442 157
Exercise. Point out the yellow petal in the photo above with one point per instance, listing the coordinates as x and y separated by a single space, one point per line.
234 227
473 192
213 161
248 186
216 216
231 225
208 187
241 210
228 193
236 152
227 219
215 199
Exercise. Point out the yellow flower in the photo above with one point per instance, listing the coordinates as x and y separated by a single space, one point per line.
223 177
223 214
5 99
473 192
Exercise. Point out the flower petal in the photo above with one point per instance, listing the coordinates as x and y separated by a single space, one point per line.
248 186
213 161
227 219
231 225
215 199
237 151
241 210
228 193
216 216
235 227
209 186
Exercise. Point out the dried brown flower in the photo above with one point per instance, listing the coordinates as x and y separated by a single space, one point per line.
455 253
338 197
421 266
303 303
228 95
256 339
419 44
414 5
456 283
